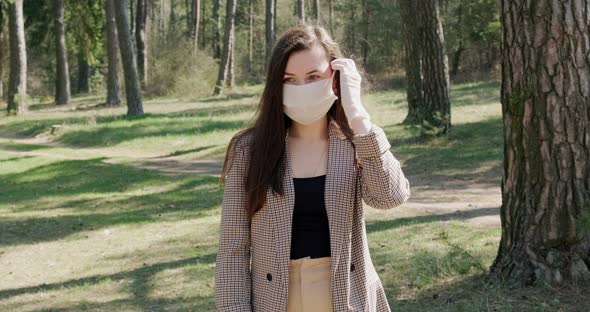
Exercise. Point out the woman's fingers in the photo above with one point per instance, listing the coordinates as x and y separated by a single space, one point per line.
338 67
345 62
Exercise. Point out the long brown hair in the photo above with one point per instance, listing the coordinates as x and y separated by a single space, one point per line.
267 162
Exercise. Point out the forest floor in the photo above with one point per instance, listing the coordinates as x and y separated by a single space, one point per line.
113 213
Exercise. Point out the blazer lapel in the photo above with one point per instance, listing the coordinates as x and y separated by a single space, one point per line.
338 214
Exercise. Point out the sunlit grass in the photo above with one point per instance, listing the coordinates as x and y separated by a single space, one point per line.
82 231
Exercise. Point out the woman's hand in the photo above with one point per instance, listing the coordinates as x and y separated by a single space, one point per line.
350 87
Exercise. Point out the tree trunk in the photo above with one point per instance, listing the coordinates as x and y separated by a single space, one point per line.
351 33
413 64
251 38
217 20
231 81
172 19
270 27
196 16
83 72
132 8
316 10
141 40
1 53
366 14
228 41
435 67
204 27
17 85
113 94
62 79
162 23
301 10
132 89
460 48
188 5
545 93
457 59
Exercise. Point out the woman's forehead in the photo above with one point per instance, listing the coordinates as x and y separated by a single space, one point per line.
304 61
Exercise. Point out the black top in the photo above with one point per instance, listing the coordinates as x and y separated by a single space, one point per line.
311 234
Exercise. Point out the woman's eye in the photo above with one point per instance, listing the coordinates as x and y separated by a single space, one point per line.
314 77
287 79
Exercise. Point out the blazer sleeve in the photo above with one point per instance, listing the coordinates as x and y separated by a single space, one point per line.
232 268
383 183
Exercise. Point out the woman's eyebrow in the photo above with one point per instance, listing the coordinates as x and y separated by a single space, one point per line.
315 70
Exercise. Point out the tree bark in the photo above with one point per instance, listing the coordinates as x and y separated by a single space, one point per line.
113 93
162 23
196 16
17 85
188 5
435 67
132 89
460 47
231 81
316 10
228 41
366 16
62 79
217 19
545 93
412 62
204 27
172 19
301 10
270 27
1 52
83 72
141 40
251 38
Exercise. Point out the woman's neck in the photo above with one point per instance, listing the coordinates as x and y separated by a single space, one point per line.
314 132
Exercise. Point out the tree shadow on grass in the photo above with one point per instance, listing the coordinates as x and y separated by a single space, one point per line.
383 225
21 147
472 293
468 147
97 198
476 93
140 278
227 97
450 280
115 129
10 159
113 135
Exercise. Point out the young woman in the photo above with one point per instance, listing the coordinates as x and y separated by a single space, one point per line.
292 233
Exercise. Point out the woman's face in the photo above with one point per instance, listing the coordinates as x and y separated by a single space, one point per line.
309 65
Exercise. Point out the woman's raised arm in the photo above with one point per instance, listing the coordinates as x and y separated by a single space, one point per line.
383 183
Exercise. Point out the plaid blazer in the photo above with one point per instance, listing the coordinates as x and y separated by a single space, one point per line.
252 262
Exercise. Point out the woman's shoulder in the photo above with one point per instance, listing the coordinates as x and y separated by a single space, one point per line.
241 142
243 139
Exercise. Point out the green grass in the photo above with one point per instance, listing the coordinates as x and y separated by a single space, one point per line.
81 231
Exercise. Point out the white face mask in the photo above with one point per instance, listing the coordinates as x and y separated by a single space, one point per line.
309 102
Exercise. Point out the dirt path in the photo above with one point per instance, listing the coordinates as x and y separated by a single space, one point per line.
171 165
471 198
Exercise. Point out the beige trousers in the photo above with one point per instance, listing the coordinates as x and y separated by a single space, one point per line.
310 288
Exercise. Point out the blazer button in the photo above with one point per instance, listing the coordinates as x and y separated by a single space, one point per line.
351 267
269 276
